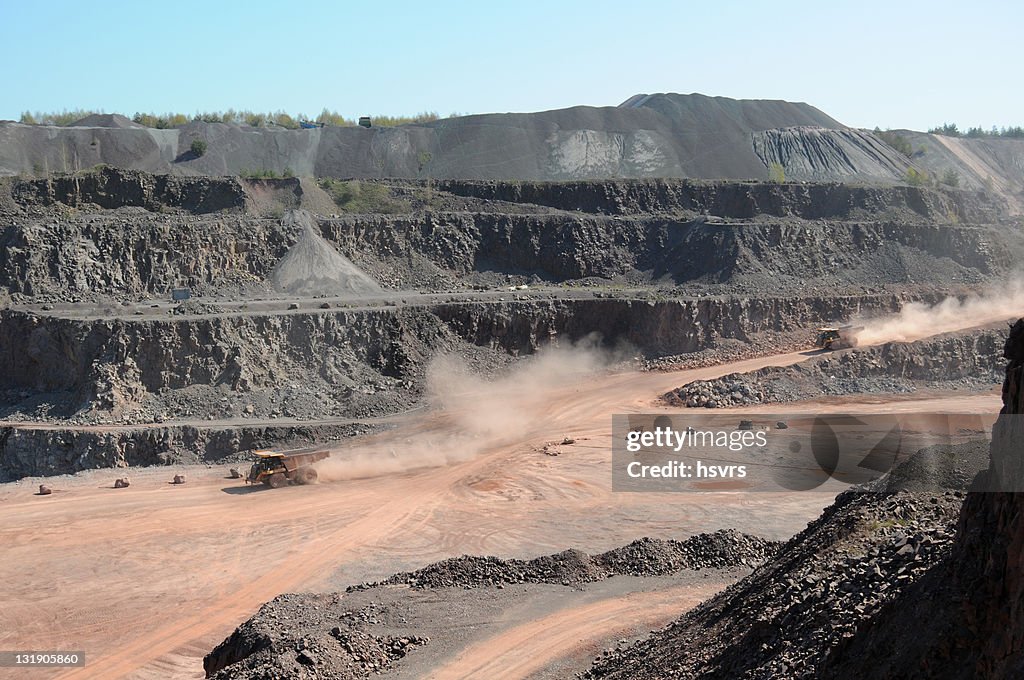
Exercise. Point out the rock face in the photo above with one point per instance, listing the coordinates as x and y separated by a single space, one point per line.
988 562
723 237
738 200
110 187
664 267
37 452
317 364
90 358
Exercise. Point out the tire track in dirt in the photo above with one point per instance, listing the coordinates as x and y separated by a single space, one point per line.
528 648
300 568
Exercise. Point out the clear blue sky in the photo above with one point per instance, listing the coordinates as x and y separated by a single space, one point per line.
892 64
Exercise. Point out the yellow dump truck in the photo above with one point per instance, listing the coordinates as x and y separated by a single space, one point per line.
279 468
837 337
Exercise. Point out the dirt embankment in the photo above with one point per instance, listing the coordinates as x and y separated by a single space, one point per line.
360 634
738 200
960 361
989 163
643 557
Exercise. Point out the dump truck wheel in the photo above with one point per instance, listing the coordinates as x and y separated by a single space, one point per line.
307 476
277 480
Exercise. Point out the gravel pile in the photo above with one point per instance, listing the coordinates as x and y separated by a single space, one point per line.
654 557
304 636
644 557
313 267
727 351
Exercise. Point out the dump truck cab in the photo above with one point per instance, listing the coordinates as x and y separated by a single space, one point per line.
827 337
279 468
266 464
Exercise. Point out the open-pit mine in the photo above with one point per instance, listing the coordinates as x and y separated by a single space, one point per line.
440 368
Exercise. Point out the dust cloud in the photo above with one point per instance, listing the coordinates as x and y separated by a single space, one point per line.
918 320
469 413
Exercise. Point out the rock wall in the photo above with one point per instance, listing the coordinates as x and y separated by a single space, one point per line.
655 328
328 364
741 200
988 560
52 354
129 254
110 187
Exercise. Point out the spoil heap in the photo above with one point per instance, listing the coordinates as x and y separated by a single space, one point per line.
313 267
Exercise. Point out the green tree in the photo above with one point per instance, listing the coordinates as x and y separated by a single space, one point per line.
950 177
198 147
896 141
947 129
776 173
916 178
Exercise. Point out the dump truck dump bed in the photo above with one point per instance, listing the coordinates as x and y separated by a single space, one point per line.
293 461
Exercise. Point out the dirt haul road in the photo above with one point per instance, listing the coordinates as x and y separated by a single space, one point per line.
148 579
526 649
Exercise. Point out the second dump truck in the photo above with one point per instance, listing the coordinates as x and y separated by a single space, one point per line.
280 468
